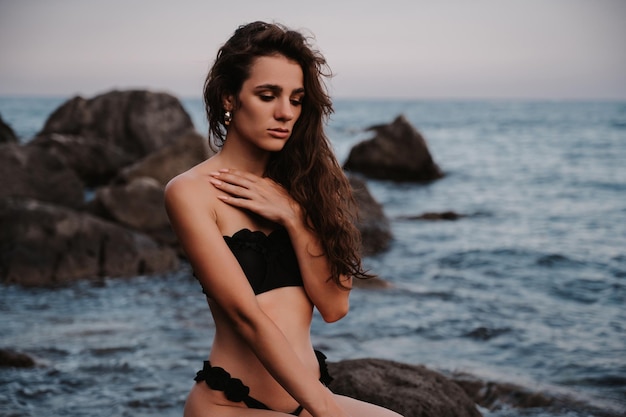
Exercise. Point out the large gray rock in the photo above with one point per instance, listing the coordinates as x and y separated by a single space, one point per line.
372 222
137 121
139 205
411 390
164 164
7 135
43 245
494 394
32 172
396 152
95 161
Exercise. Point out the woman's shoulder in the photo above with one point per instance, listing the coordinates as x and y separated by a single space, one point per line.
191 185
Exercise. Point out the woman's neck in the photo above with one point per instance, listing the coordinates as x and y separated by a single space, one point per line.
236 155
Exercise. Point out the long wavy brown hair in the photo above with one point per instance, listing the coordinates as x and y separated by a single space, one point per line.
306 166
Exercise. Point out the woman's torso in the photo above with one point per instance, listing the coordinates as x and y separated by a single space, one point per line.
288 307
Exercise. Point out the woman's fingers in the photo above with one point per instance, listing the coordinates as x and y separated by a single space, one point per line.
236 177
234 183
234 190
248 191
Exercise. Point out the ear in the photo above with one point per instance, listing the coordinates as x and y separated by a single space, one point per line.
228 102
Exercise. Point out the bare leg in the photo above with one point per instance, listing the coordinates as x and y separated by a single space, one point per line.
356 408
204 402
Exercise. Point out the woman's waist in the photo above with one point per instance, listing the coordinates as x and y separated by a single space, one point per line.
230 349
241 362
288 308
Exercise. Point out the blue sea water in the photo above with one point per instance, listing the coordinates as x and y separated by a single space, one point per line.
529 287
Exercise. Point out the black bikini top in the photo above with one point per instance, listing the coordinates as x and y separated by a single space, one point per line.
268 261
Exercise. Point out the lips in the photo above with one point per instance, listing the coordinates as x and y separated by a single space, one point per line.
279 132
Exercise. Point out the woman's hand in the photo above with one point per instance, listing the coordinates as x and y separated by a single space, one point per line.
262 196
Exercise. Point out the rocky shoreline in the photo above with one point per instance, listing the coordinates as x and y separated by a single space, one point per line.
413 390
85 202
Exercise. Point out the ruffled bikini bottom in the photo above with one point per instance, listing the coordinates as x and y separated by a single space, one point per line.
235 390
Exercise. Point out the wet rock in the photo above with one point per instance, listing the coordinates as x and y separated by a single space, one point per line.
494 395
411 390
486 333
96 162
43 245
164 164
139 205
372 222
444 215
397 152
32 172
12 359
137 121
7 135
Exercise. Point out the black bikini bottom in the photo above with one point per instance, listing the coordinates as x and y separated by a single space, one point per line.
218 379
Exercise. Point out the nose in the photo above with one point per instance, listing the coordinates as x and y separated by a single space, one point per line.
284 109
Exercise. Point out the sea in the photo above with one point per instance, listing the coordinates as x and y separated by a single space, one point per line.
527 287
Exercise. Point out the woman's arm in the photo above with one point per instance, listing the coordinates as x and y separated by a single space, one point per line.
269 200
331 300
190 209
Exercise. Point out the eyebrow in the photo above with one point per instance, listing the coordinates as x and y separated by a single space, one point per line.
276 89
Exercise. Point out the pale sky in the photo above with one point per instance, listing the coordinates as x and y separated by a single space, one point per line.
538 49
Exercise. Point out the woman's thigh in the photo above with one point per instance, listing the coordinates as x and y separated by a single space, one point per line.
204 402
356 408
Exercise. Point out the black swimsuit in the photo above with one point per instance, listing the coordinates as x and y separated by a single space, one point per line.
269 262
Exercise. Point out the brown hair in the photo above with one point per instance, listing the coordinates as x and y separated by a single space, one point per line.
306 166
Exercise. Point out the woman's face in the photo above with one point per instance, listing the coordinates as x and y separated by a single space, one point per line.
270 103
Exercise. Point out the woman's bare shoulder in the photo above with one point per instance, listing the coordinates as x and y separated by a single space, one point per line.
192 187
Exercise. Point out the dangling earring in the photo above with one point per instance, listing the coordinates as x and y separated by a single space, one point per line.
227 118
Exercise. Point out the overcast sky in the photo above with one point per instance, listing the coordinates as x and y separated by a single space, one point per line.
554 49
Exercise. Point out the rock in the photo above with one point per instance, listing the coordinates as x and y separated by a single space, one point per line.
411 390
445 215
12 359
164 164
96 162
397 152
493 395
32 172
7 135
372 222
139 205
137 121
43 245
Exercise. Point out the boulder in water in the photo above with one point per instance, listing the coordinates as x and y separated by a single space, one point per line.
164 164
12 359
411 390
397 152
43 245
139 205
32 172
137 121
372 222
95 161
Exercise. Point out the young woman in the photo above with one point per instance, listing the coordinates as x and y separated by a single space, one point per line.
267 226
